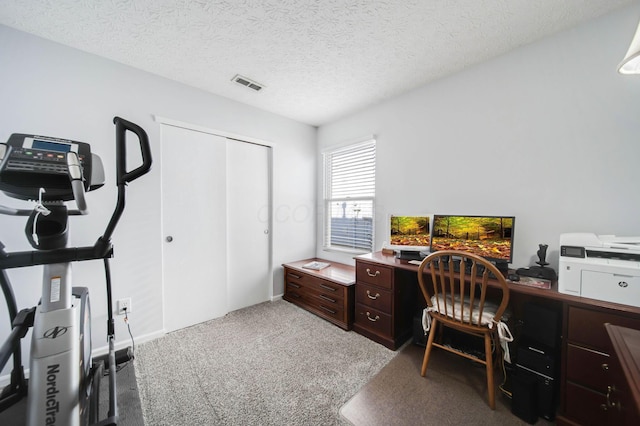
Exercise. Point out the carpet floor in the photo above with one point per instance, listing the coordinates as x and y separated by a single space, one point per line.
269 364
454 392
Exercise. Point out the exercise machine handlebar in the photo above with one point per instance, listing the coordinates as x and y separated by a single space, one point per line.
102 249
124 176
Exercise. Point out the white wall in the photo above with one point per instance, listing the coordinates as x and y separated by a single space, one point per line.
549 133
50 89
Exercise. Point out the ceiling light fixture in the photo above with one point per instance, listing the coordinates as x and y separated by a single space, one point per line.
248 82
631 62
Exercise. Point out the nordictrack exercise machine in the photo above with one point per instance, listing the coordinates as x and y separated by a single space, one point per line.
63 385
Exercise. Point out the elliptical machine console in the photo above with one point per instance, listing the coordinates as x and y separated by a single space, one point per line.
49 171
33 162
63 382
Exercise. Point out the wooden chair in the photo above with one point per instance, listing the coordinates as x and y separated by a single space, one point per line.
444 285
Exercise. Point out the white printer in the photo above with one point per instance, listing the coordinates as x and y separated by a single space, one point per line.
603 267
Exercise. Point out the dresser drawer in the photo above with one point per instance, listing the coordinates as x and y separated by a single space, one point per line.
586 406
374 297
377 275
302 283
320 297
373 320
330 289
588 368
294 292
586 326
298 280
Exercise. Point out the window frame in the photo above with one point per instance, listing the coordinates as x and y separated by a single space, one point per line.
366 148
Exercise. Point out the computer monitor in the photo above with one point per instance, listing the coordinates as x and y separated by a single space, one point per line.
488 236
409 233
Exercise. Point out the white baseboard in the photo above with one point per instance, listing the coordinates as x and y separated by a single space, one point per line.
127 342
6 379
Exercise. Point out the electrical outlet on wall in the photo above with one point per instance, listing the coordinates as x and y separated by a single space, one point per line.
124 304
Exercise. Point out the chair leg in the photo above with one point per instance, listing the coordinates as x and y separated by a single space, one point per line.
427 349
490 381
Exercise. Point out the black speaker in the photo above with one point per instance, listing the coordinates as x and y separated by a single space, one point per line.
524 398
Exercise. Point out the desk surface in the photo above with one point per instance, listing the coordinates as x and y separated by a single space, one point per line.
337 272
553 293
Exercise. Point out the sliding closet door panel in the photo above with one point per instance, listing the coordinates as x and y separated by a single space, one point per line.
194 217
248 218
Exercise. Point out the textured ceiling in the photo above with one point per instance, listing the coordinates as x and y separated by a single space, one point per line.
319 60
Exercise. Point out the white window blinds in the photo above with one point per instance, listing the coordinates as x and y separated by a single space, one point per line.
349 195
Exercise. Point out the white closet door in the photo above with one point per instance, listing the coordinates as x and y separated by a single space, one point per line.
248 230
194 222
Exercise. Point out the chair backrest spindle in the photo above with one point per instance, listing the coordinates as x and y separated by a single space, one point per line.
457 289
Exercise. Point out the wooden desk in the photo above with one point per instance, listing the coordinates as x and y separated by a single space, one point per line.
387 297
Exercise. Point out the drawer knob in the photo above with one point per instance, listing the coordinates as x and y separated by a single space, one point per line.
605 367
372 297
372 275
374 319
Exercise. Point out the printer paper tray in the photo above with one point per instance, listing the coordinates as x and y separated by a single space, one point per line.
616 288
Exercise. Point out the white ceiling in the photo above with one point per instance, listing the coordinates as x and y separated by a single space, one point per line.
319 60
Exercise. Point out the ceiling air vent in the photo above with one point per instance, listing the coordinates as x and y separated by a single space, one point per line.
248 82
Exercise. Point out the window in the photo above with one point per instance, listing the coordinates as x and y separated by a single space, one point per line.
349 195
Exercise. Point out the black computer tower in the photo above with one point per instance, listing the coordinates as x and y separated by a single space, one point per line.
539 369
535 381
524 398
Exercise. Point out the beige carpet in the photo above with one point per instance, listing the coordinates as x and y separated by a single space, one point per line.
453 393
270 364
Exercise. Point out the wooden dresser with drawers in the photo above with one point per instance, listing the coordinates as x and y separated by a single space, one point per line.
328 292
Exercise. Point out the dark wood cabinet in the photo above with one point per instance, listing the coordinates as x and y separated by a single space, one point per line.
328 293
593 390
383 309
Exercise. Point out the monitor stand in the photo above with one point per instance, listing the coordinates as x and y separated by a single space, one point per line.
503 267
409 255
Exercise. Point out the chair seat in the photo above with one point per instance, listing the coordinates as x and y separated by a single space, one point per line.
487 318
462 309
